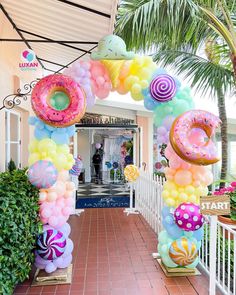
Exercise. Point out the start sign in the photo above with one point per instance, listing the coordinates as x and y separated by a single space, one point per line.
215 205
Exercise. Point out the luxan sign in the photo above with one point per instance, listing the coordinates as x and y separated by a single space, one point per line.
215 205
29 62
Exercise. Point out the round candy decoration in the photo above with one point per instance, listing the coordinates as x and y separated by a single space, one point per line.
42 174
183 252
51 244
115 165
188 217
58 100
131 173
163 88
195 153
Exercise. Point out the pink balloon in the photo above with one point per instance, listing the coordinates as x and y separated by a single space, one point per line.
53 221
69 201
46 213
66 211
168 121
183 177
100 81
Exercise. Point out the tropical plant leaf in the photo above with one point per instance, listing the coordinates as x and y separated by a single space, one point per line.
205 76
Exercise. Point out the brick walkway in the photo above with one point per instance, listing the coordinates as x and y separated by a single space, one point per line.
112 256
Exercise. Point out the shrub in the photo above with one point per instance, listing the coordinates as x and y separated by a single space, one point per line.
11 166
19 226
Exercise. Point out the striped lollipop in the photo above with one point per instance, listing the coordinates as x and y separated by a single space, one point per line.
183 251
76 168
51 244
42 174
163 88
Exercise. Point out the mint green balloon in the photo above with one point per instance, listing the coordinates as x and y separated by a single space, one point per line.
59 100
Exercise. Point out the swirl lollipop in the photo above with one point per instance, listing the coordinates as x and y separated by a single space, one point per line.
163 88
183 252
42 174
131 173
51 244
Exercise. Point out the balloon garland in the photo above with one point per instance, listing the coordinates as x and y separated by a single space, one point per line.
59 101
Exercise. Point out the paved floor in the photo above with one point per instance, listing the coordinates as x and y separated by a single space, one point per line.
112 256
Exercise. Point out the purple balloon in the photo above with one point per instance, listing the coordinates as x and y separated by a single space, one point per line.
98 145
50 267
163 88
168 121
188 216
51 244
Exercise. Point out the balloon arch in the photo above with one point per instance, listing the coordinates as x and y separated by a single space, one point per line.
60 100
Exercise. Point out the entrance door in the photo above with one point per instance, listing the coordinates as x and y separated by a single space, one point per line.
12 138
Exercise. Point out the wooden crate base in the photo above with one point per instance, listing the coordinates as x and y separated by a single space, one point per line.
178 272
59 277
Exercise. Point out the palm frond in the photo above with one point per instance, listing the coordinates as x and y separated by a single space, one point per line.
203 75
145 24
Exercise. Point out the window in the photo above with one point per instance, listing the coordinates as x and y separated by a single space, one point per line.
12 137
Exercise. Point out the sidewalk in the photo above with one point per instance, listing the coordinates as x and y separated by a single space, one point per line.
112 256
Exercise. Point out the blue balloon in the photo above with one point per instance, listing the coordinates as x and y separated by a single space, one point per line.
115 165
60 138
150 104
108 164
41 133
198 234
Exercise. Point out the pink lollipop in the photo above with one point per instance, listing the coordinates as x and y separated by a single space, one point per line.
42 174
188 217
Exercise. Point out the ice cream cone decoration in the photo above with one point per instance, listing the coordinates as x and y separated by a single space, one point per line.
113 67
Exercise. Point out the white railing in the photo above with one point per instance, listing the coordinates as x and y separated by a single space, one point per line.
225 271
148 202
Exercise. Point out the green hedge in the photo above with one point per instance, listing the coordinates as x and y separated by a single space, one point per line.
19 225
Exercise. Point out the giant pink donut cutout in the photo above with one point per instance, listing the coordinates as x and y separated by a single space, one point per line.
195 154
46 88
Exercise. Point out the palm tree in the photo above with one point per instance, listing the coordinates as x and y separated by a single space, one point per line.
176 30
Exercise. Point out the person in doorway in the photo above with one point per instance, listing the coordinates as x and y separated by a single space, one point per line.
96 162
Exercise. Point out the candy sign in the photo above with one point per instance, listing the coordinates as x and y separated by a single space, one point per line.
215 205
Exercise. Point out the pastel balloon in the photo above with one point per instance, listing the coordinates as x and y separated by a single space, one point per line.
196 154
42 174
188 217
183 251
51 244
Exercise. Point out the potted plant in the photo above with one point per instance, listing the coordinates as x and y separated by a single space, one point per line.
231 192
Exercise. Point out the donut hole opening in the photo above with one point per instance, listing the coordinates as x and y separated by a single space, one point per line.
59 100
197 136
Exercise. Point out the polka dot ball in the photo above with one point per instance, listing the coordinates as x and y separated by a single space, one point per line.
188 217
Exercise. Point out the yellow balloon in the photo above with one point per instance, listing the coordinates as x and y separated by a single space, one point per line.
144 83
33 146
183 197
46 144
60 162
190 189
34 157
136 88
137 96
174 194
170 202
193 199
129 81
63 149
165 194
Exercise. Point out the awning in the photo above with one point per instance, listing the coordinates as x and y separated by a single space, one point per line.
60 31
